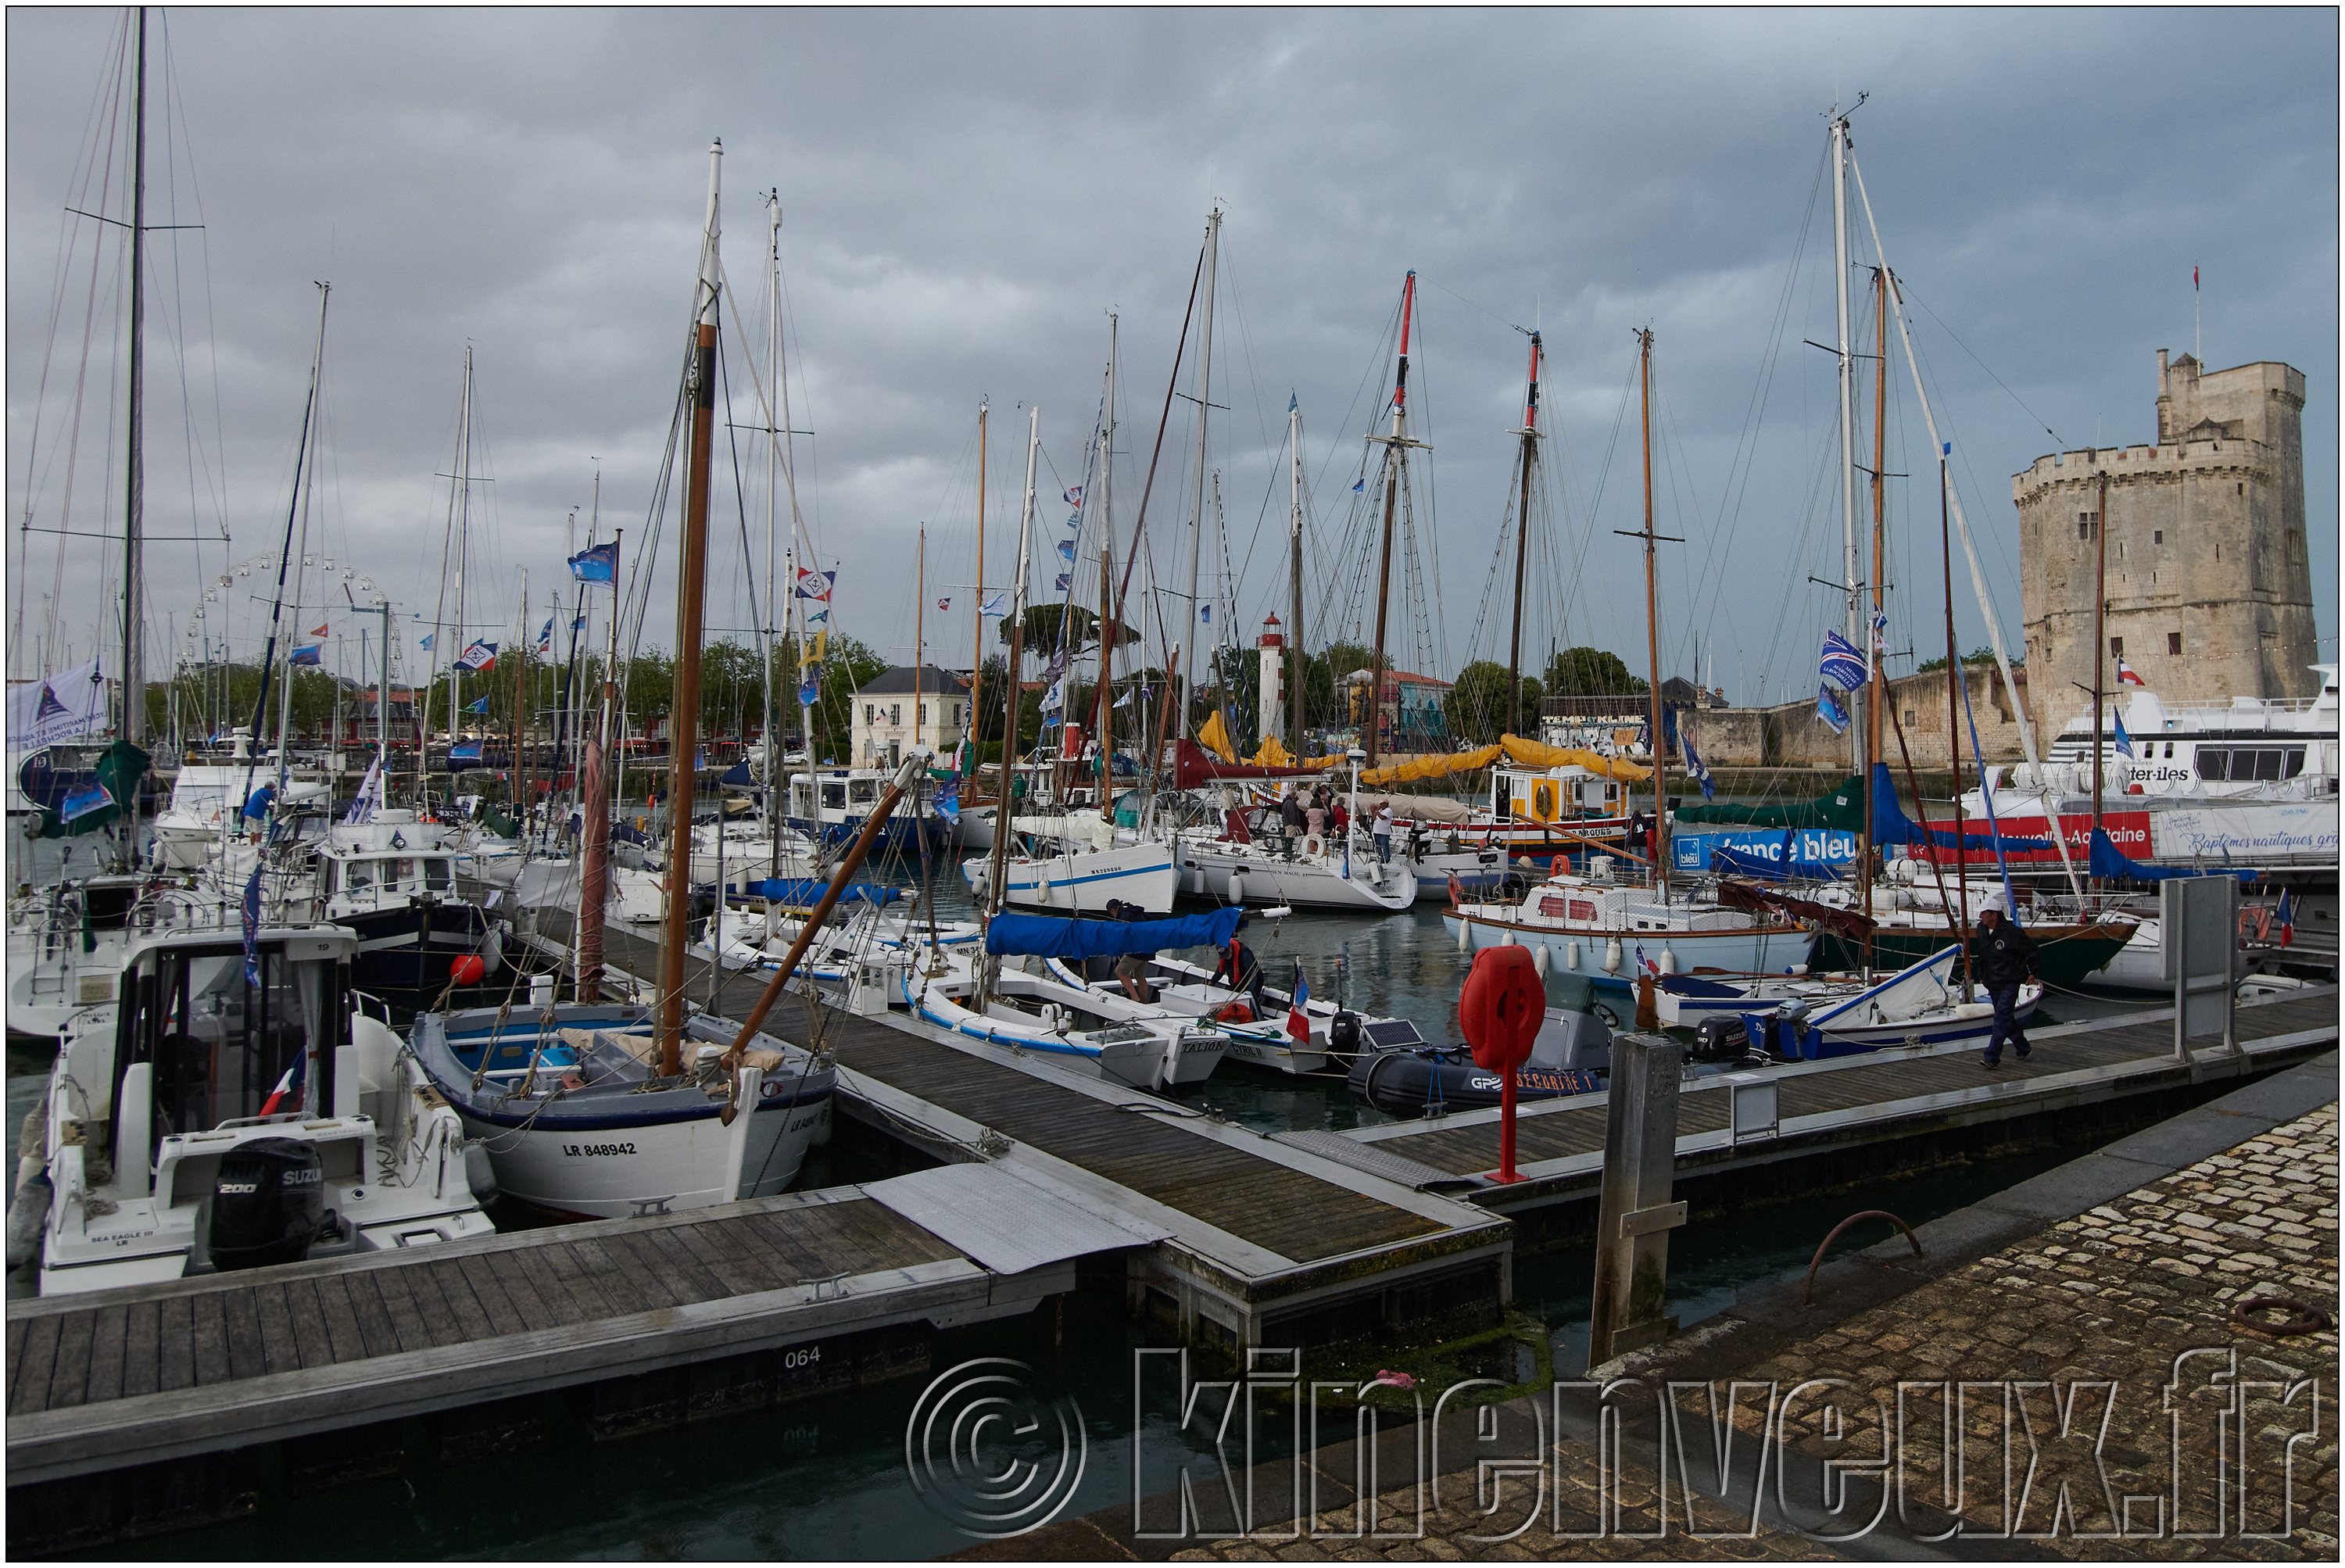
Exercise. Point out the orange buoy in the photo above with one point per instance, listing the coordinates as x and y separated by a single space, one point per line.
469 969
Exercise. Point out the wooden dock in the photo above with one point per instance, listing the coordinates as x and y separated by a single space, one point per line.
1852 1101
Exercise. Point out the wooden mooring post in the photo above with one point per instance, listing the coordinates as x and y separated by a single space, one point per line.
1634 1215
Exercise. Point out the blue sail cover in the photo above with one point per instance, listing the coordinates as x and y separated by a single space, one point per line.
2108 861
1048 936
1892 826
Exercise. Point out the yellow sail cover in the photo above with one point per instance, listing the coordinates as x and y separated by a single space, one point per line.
1215 737
1274 753
1530 753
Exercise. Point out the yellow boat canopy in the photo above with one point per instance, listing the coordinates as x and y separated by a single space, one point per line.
1513 748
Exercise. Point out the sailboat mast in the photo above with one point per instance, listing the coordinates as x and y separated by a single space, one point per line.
920 624
691 586
1002 824
1396 443
134 543
1847 400
1659 847
594 793
463 480
1205 406
977 638
1294 737
2100 645
1954 715
1878 683
773 488
1102 714
1522 545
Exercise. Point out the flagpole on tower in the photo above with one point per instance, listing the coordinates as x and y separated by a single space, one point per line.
2198 341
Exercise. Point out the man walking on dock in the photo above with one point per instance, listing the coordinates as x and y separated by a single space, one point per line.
2003 958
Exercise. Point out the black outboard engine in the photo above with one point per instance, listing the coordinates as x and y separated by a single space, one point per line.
1720 1038
1343 1034
267 1203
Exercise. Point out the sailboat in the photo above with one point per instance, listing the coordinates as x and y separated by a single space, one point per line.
604 1109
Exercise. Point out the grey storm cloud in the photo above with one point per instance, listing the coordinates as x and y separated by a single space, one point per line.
967 193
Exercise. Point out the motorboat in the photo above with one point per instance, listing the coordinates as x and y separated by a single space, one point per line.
570 1101
1925 1006
234 1104
1333 1034
392 880
1571 1054
1066 1024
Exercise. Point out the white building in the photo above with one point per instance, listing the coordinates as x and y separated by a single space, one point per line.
906 707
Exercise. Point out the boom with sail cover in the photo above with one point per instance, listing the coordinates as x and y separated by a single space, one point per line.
1048 936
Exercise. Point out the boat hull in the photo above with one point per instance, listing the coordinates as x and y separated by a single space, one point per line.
1762 950
1084 883
602 1168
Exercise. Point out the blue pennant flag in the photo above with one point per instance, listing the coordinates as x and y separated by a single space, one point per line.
995 603
1359 485
578 625
1066 549
312 654
1843 663
2125 741
811 688
479 706
545 636
1204 612
1695 765
1829 710
596 564
427 641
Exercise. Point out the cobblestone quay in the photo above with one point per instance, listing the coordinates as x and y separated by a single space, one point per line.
2072 1370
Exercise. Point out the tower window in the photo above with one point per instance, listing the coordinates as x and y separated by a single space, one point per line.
2116 647
2083 528
2243 487
2174 644
2158 536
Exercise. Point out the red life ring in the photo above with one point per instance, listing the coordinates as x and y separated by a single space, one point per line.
1233 1012
1501 1007
2255 923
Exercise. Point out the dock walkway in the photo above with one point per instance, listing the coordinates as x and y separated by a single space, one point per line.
1855 1100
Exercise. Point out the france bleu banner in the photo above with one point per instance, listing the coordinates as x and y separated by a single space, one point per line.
1843 663
596 564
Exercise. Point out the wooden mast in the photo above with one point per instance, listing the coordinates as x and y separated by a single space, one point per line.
1659 847
2100 642
595 803
684 723
1396 445
1522 544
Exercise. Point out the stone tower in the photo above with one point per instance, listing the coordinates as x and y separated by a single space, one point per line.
2209 588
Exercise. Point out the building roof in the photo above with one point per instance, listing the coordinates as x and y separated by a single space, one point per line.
900 682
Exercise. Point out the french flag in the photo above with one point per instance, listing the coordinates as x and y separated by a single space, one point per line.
1298 1021
2126 675
289 1087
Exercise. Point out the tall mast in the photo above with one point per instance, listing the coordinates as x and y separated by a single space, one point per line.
1847 399
463 480
684 724
1395 447
2100 645
773 488
595 803
920 624
1522 544
1294 575
977 638
1878 683
1660 845
1955 713
1102 713
134 543
1204 405
1002 826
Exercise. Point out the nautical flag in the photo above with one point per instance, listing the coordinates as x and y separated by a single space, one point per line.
319 631
2285 918
1056 697
1126 700
996 604
82 800
578 625
1880 633
1359 485
2126 675
49 707
816 584
1298 1021
816 649
2194 279
545 636
288 1084
1075 496
1066 582
310 654
817 616
948 800
945 603
479 706
427 642
1204 612
1841 663
596 564
1829 710
810 690
252 928
1066 549
1646 965
481 657
369 799
1695 766
1075 520
2125 741
1052 722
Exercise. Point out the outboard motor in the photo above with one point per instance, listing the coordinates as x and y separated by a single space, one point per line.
1788 1028
1343 1034
1720 1039
267 1204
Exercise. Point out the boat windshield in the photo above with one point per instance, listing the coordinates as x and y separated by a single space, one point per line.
220 1045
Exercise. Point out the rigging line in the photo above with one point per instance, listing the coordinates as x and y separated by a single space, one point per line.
1905 289
1139 521
1461 299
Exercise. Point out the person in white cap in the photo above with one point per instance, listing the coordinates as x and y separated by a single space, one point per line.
2003 958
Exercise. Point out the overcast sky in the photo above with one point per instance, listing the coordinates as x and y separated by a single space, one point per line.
966 194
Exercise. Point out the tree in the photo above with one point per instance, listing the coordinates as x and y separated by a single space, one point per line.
1976 655
1478 705
1591 672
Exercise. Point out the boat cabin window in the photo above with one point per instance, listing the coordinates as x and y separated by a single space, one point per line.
862 791
834 796
358 876
437 876
2249 764
220 1045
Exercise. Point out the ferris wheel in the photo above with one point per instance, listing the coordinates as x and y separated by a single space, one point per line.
213 627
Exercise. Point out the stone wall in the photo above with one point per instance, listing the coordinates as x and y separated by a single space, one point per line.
1792 735
2208 579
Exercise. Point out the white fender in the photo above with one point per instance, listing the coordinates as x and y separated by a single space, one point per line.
1237 885
1571 954
1612 956
480 1174
1668 961
1538 960
1465 934
1507 938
